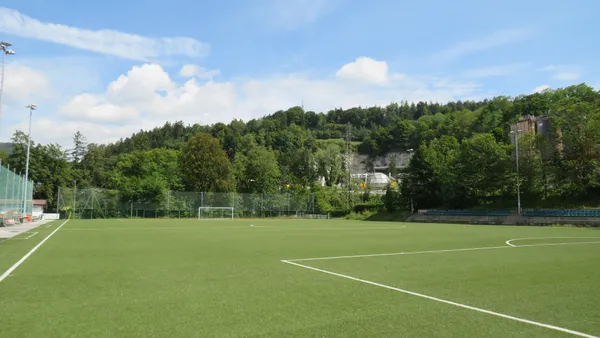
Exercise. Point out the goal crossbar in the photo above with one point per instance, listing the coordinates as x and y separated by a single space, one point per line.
226 211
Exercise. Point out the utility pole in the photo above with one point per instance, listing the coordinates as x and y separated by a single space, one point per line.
75 198
31 108
349 175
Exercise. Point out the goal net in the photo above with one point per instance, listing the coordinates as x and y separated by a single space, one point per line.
215 212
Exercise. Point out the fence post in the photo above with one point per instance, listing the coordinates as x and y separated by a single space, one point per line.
169 204
93 193
58 202
6 188
75 199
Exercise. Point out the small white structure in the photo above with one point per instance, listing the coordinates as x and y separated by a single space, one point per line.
374 180
38 207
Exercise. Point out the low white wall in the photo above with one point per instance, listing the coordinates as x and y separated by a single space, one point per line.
51 216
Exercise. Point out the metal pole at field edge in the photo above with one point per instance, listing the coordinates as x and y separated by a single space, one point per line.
6 188
31 107
74 198
169 204
12 192
58 202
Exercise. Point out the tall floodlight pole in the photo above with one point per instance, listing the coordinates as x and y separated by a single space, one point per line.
74 199
31 107
5 51
516 132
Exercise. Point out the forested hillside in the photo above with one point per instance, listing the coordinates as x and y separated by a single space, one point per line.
463 156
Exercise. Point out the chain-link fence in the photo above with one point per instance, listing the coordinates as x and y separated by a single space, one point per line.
101 203
14 192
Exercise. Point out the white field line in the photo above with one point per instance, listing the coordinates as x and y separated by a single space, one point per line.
31 234
16 265
439 251
524 238
522 320
229 226
146 228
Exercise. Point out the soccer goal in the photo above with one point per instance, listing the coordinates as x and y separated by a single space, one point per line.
215 212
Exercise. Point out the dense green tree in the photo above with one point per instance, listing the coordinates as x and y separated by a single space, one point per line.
483 167
79 148
3 156
257 172
205 165
329 164
146 175
463 153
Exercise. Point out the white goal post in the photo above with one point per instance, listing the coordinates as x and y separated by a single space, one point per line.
215 212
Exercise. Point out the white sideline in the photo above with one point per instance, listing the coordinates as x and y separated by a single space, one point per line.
16 265
445 250
522 320
524 238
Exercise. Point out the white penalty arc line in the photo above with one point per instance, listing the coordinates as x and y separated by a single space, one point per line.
440 251
17 264
522 320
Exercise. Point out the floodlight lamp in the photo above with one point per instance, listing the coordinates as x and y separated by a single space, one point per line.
5 44
10 52
32 106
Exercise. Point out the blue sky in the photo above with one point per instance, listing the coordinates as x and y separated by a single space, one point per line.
111 68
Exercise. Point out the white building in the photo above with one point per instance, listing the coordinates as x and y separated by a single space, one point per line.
374 180
38 207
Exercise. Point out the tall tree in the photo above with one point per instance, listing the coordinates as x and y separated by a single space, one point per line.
79 148
257 172
205 165
484 166
146 175
3 156
329 164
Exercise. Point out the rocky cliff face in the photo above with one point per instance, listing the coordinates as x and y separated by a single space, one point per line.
360 163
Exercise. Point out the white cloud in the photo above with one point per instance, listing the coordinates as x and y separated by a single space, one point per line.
562 72
23 84
494 71
147 96
364 70
541 89
93 108
125 45
139 83
495 39
199 72
567 76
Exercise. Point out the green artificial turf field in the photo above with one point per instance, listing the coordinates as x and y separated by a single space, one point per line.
260 278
